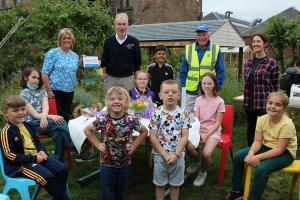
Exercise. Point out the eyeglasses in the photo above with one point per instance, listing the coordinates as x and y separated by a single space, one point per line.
168 91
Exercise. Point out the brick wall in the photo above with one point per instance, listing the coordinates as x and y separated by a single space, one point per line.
161 11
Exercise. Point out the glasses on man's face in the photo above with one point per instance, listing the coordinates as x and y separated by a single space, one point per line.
168 91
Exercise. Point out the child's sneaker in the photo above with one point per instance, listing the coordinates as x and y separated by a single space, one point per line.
200 179
193 168
234 196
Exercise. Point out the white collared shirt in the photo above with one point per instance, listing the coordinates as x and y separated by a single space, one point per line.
121 40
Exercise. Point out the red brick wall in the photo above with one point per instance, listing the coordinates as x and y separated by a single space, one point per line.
161 11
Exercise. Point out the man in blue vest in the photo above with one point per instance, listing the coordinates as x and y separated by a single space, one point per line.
199 58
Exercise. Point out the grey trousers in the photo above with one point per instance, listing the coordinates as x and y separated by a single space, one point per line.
111 81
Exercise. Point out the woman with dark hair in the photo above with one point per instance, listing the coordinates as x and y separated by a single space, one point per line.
261 75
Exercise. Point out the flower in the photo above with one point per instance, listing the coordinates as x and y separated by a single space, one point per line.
142 107
139 103
137 106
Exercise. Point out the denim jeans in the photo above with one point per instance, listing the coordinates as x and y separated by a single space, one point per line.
113 182
59 133
261 172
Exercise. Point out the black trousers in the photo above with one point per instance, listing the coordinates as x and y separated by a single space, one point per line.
251 116
50 174
64 104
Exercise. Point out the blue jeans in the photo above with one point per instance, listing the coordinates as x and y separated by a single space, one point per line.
261 172
59 133
113 182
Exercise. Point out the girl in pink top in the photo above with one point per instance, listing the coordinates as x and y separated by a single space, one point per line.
209 109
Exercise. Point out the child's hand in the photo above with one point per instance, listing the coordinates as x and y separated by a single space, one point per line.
248 158
42 153
130 148
101 147
43 123
40 159
254 161
172 159
203 137
57 119
166 157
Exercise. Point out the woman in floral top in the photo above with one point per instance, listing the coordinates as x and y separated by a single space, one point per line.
59 70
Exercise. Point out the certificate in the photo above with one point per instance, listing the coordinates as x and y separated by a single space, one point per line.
90 62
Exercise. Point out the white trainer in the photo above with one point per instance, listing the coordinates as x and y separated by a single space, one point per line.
200 178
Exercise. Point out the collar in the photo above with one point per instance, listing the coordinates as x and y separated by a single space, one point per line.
158 64
207 47
121 41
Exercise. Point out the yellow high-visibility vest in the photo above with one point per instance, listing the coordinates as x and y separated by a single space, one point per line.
196 69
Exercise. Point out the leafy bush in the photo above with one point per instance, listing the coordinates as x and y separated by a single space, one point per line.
90 21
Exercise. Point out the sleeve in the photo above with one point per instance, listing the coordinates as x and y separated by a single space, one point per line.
44 93
104 54
186 120
275 76
136 124
130 94
137 56
153 121
288 130
221 107
183 72
172 72
259 124
99 123
49 62
25 96
197 104
220 70
7 143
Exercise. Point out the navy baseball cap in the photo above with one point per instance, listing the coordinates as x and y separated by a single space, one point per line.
202 28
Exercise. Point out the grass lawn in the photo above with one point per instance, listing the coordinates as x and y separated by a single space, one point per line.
140 180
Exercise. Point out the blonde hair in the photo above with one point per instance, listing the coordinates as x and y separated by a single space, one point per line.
121 16
12 101
283 97
140 72
118 91
64 32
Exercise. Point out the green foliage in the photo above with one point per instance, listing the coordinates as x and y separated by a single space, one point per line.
82 96
282 33
277 34
91 23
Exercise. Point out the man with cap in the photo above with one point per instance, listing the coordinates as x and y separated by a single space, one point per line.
199 58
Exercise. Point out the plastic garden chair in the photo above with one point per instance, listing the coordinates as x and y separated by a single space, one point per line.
53 111
294 168
20 184
225 142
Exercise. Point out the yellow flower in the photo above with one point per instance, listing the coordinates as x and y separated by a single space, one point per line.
139 103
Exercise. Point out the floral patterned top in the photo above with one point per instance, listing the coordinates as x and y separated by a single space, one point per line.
61 68
35 98
168 125
116 134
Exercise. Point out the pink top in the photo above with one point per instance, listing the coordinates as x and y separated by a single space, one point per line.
208 109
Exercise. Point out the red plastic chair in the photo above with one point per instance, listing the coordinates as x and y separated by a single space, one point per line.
225 142
53 111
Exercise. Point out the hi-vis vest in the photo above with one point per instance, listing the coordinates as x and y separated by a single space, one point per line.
197 70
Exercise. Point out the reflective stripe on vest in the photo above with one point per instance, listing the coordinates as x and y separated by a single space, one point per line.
197 70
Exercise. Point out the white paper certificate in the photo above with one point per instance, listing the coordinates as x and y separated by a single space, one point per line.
90 62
